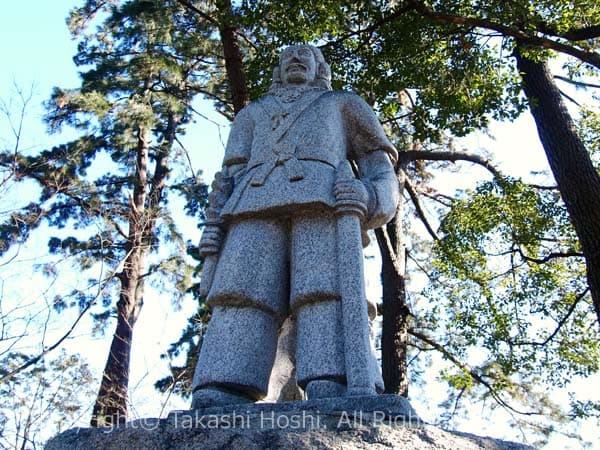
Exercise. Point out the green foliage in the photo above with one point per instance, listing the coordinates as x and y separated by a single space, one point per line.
589 130
142 67
511 283
458 80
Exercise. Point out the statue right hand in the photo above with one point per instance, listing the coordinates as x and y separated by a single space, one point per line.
349 191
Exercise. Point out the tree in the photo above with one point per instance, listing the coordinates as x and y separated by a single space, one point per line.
453 61
56 392
543 25
142 68
576 176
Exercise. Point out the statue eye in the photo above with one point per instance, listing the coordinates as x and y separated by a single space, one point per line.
304 52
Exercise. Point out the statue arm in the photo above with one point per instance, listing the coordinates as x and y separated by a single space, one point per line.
239 143
212 236
237 154
375 157
379 178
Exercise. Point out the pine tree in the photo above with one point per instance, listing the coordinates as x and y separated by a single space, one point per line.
141 69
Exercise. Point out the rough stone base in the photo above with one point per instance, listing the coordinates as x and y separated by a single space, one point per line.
377 422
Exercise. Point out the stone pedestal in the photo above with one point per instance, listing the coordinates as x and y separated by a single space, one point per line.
378 422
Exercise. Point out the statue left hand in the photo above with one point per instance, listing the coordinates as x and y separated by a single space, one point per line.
351 189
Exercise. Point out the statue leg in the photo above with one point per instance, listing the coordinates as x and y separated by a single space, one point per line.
236 357
249 299
320 352
282 383
320 366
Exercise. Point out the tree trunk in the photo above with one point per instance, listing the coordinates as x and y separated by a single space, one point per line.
394 332
110 407
234 65
576 178
111 403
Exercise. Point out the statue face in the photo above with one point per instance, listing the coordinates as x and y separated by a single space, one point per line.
298 65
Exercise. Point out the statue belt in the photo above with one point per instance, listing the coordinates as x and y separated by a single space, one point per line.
291 164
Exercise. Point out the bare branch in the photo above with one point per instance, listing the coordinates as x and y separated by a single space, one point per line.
187 155
542 187
442 199
16 126
54 346
415 199
561 323
568 97
549 256
469 371
387 249
576 83
414 155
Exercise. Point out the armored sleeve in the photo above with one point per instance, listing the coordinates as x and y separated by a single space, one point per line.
364 130
239 143
375 156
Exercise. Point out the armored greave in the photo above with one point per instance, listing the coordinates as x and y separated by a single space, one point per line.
238 351
240 363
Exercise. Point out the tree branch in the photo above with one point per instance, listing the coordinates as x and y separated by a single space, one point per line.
549 256
387 249
49 349
560 323
523 37
384 20
542 187
442 199
414 155
575 34
60 188
415 199
568 97
198 11
469 371
576 83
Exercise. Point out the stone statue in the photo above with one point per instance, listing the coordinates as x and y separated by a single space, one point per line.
283 237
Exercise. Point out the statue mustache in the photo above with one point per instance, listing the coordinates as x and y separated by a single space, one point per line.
294 66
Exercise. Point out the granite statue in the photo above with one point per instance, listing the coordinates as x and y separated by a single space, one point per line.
307 170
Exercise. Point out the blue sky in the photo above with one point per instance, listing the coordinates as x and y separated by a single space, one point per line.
36 55
36 44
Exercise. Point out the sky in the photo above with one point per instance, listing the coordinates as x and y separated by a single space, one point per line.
36 54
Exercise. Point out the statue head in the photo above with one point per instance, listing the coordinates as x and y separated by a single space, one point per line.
302 65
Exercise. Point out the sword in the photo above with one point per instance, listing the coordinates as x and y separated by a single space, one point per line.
213 234
355 319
